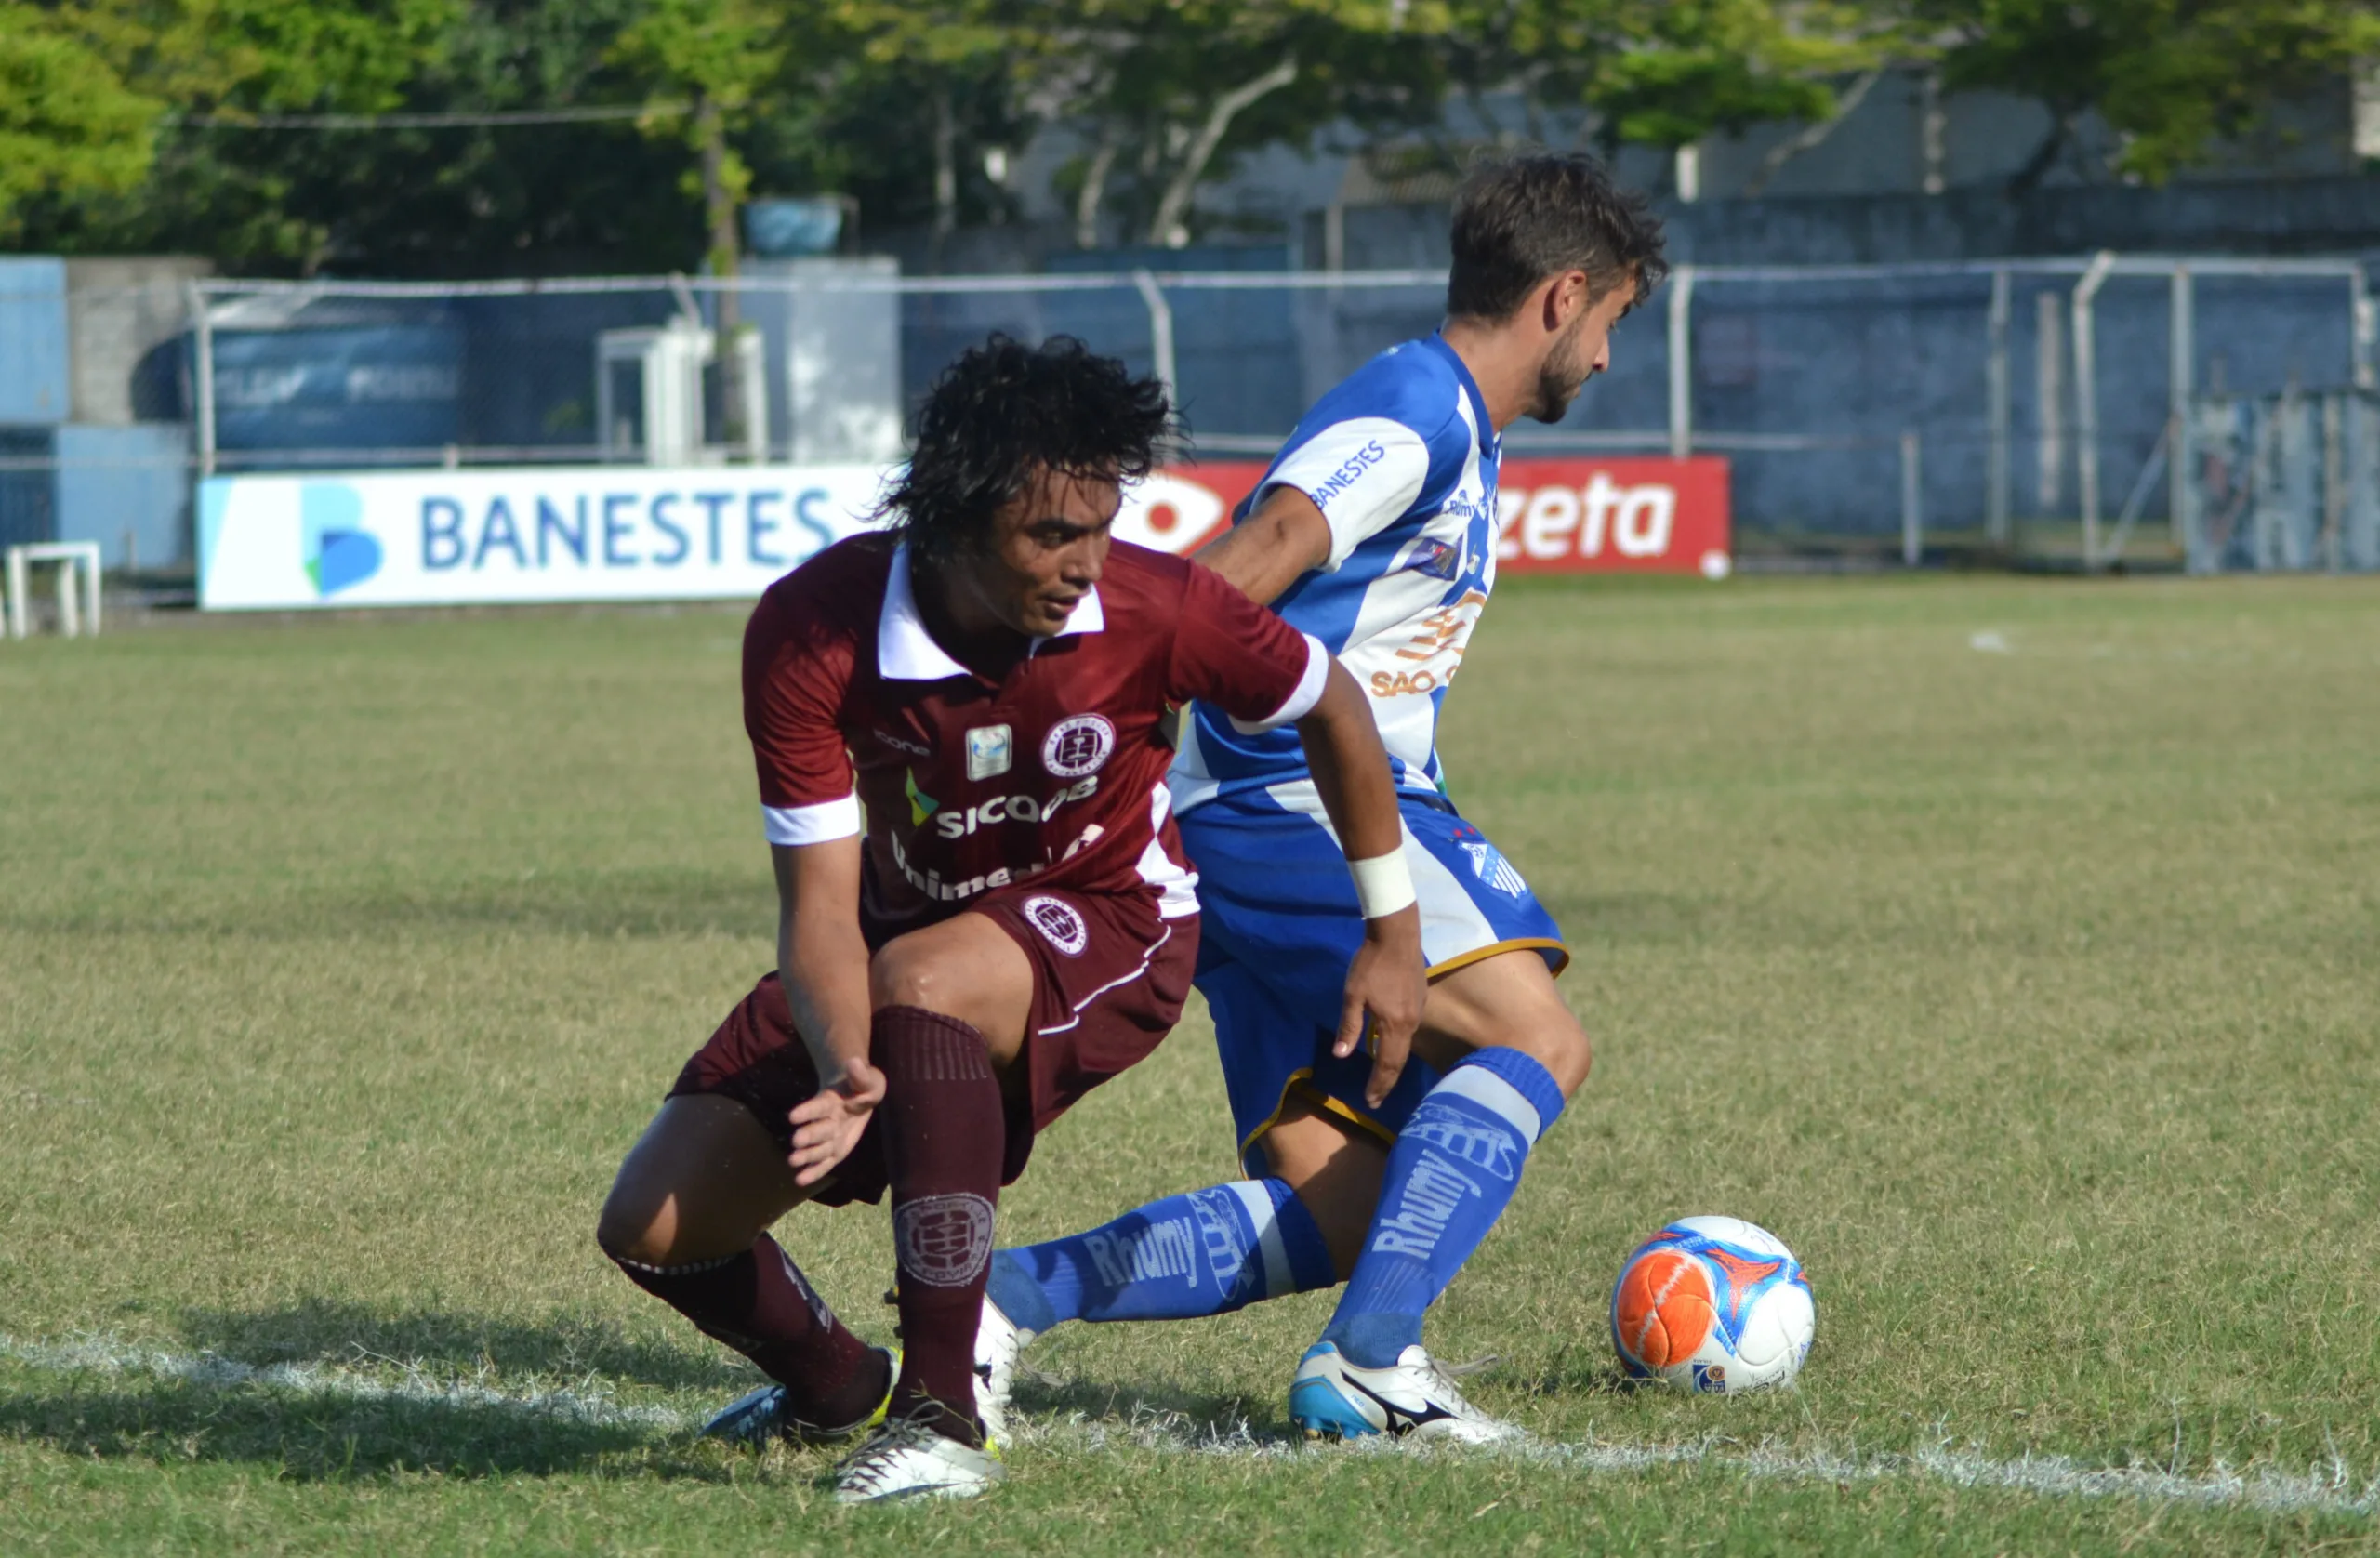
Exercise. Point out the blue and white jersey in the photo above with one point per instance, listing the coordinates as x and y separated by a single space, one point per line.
1401 459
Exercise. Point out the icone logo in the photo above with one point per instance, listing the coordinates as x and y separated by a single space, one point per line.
958 822
1553 522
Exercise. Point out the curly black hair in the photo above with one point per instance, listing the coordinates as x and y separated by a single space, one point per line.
1520 219
1004 411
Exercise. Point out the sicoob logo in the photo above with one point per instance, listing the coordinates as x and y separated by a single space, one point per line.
1059 924
339 552
1078 746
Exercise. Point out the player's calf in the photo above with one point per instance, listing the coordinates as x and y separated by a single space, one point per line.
686 1222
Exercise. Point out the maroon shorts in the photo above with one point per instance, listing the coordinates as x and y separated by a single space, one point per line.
1109 980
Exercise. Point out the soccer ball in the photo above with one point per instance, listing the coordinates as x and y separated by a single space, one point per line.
1712 1303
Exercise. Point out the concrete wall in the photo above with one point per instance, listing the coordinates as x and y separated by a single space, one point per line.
124 322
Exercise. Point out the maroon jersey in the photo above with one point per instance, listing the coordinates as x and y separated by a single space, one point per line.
1053 774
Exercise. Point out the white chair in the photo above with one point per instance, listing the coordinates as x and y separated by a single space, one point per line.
68 556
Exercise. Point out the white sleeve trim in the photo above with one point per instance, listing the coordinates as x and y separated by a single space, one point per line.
821 824
1363 473
1302 699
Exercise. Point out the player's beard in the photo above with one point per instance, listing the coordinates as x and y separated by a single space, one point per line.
1565 373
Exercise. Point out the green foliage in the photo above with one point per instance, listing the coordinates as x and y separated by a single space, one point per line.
1680 71
2170 76
69 126
917 107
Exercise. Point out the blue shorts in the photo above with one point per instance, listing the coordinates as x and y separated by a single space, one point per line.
1279 924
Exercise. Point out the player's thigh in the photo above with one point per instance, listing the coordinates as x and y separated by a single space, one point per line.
704 1180
1506 1001
965 967
1334 1166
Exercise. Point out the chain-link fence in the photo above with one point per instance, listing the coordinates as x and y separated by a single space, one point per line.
2030 409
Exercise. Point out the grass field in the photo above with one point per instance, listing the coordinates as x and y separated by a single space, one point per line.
2010 947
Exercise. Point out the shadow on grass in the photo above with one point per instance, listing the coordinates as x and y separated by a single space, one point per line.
1188 1413
327 1331
1574 1371
314 1438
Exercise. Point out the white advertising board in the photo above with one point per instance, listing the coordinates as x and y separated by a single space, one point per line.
440 538
626 533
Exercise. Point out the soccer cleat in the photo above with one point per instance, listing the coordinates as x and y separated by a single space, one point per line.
1000 1342
908 1458
1334 1399
759 1416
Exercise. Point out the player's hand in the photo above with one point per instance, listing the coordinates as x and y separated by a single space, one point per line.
1386 984
826 1126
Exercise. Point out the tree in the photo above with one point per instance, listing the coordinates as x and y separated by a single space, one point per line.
715 55
69 126
2171 77
1170 91
1686 69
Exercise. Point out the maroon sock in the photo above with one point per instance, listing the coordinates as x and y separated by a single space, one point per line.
760 1304
944 1134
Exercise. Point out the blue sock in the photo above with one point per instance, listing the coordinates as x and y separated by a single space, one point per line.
1450 1175
1209 1252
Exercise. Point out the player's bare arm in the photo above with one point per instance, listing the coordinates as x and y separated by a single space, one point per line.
1386 979
1265 554
822 960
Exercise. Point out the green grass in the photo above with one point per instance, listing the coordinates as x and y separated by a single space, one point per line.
2031 996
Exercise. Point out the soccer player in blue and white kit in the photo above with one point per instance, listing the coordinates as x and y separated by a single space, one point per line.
1375 532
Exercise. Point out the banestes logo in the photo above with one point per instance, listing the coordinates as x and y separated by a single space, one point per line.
340 553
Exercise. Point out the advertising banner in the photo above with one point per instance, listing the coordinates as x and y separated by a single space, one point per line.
1578 515
633 533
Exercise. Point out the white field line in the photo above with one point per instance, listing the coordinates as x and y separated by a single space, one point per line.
2334 1491
412 1385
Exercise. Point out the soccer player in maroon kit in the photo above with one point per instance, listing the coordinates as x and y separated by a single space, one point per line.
984 906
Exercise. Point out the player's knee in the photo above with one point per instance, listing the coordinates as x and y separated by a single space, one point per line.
632 1227
1568 1055
902 975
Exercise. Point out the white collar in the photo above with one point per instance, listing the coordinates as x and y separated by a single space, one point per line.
906 652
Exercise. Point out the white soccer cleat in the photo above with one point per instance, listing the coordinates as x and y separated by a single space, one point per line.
1333 1398
1000 1342
907 1458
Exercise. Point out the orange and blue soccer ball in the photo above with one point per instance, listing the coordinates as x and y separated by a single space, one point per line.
1712 1303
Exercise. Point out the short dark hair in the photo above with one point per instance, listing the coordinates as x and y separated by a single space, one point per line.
1005 410
1520 219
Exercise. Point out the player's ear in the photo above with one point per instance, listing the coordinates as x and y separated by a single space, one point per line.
1565 296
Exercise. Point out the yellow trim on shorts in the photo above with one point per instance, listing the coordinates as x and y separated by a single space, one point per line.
1302 1080
1560 958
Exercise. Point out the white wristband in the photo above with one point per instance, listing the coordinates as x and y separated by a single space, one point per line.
1383 884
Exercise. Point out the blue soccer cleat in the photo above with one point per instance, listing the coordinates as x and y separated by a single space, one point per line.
757 1417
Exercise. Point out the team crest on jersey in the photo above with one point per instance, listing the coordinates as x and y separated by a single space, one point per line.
1487 863
1060 924
1078 745
991 751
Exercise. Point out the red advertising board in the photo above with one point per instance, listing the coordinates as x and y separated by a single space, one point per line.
1573 515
